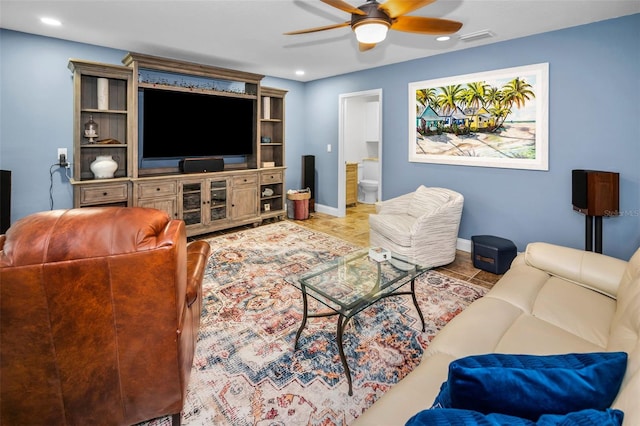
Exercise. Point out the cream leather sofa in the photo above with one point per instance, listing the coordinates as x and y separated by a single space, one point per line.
553 300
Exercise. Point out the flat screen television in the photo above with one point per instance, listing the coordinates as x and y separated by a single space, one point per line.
178 125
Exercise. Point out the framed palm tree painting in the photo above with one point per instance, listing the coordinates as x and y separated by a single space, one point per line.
493 119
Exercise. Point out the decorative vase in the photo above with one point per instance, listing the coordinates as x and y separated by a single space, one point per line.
103 167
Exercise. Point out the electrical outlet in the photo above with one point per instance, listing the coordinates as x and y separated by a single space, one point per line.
62 157
62 151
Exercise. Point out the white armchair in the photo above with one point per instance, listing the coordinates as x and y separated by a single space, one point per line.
423 225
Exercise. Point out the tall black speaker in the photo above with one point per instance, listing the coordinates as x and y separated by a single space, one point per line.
5 200
309 178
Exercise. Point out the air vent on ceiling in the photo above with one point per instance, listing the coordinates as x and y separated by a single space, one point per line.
476 35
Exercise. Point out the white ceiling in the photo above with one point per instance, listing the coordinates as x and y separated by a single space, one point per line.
247 34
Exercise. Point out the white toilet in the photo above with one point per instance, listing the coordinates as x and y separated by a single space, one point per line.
369 181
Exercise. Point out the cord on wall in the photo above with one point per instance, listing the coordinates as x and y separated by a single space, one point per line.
62 163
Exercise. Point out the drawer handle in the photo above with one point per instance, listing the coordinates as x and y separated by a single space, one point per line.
104 194
157 189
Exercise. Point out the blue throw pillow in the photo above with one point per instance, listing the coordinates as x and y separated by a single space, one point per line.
529 386
608 417
458 417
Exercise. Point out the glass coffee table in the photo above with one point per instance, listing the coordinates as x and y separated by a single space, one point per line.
352 283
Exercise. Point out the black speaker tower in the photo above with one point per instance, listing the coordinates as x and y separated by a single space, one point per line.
5 200
309 178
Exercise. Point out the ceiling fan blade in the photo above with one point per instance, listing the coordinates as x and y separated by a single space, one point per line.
422 25
313 30
343 5
396 8
366 46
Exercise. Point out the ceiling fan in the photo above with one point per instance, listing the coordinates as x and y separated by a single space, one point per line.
372 20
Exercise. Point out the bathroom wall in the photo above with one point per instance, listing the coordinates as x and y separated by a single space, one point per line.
356 132
362 134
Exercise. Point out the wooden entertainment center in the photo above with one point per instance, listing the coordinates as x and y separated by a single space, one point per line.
245 192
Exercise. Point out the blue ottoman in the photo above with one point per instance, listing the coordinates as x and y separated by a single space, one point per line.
492 254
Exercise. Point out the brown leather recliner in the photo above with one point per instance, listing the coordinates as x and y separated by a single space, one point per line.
100 309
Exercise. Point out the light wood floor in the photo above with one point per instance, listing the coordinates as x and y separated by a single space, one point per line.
354 227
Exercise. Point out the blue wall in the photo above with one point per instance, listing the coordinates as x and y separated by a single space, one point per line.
36 115
594 86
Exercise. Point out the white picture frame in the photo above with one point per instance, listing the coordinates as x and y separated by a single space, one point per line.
490 119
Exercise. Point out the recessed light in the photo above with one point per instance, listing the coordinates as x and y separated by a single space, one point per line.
443 38
51 21
299 72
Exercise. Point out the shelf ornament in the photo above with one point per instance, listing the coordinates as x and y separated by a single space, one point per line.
91 130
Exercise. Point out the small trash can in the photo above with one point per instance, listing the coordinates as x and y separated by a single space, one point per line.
298 204
492 254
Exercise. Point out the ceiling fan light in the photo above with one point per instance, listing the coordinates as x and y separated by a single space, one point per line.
371 33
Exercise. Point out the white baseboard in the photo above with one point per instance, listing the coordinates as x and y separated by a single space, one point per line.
464 245
321 208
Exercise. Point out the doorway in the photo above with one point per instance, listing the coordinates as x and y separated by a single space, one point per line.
360 137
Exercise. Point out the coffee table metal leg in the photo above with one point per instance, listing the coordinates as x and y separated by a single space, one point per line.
304 316
342 323
415 302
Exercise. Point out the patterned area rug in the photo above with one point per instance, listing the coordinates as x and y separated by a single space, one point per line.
245 369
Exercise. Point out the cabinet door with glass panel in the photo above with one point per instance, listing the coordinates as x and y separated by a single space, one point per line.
192 208
204 201
218 196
